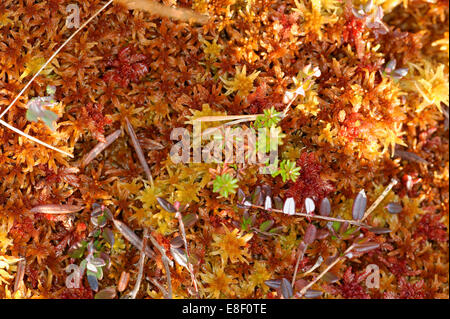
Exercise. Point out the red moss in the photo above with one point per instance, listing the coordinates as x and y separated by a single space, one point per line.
412 291
350 287
353 29
127 67
430 228
76 293
352 126
309 183
22 229
398 266
95 120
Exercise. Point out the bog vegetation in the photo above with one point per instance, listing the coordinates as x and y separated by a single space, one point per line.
357 91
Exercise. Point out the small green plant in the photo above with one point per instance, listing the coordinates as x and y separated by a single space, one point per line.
270 118
225 184
36 108
96 248
287 170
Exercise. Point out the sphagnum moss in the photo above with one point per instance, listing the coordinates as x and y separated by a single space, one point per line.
248 57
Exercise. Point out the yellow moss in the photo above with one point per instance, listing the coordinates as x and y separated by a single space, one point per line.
310 103
431 82
241 83
212 49
314 19
4 20
7 265
289 241
328 134
5 242
206 111
258 275
219 283
231 246
33 65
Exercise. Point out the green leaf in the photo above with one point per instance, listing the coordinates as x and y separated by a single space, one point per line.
336 226
246 223
266 225
225 184
350 231
83 264
99 273
270 118
77 253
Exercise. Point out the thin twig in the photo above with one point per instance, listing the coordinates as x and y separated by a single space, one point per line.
166 261
301 253
100 147
189 264
165 11
380 198
221 118
12 128
139 152
287 108
141 266
20 273
305 289
161 287
332 219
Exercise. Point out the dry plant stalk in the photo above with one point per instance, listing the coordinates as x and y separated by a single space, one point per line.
165 11
305 289
20 273
12 128
189 264
301 253
288 106
100 147
235 119
166 261
220 118
380 198
331 219
141 266
132 238
160 287
56 209
139 152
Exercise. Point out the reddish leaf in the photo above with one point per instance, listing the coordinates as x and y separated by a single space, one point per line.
359 205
